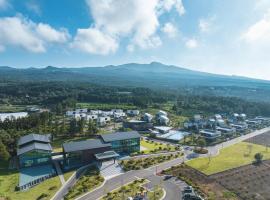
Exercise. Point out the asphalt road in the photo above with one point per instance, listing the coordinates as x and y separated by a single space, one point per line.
173 191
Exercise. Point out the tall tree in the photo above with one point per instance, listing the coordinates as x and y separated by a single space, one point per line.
4 155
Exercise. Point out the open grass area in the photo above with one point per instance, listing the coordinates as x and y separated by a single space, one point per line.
89 181
230 157
134 189
105 106
12 108
10 178
149 146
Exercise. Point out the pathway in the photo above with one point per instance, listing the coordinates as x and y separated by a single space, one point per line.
59 172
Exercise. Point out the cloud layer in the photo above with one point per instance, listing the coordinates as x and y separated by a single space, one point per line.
24 33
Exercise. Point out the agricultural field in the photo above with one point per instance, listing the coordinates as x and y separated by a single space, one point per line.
230 157
12 108
250 182
206 186
262 139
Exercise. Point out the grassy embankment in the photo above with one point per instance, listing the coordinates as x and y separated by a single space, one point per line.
230 157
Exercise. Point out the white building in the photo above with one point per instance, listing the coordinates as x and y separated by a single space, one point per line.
17 115
102 121
162 113
163 120
147 117
81 110
133 112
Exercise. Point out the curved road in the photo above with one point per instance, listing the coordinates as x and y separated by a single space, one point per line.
173 191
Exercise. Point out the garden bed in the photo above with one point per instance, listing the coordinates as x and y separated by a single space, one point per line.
142 163
90 180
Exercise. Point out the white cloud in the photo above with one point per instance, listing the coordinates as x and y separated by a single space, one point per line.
94 41
4 4
191 43
49 34
167 5
204 25
169 29
259 32
24 33
34 7
136 20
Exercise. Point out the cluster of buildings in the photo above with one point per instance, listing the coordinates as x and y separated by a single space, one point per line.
36 156
218 125
147 121
100 116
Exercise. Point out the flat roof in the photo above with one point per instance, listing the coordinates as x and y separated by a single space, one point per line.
84 145
34 137
163 128
34 146
120 136
106 155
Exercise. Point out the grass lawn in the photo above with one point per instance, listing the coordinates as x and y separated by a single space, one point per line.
89 181
230 157
149 146
11 108
133 188
10 178
67 175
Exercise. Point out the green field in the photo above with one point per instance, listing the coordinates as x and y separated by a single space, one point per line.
10 178
149 146
230 157
12 108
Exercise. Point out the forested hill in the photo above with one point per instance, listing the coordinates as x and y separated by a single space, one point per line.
154 75
151 75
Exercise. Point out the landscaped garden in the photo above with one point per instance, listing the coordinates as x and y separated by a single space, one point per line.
142 163
10 178
150 146
90 180
135 189
230 157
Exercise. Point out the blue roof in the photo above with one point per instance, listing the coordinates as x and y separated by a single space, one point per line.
84 145
34 146
34 137
120 136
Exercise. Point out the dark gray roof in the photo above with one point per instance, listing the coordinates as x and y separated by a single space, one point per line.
34 137
34 146
84 145
120 136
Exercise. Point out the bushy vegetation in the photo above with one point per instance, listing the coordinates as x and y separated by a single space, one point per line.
134 189
90 180
142 163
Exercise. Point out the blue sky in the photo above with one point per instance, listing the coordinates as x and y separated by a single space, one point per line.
225 37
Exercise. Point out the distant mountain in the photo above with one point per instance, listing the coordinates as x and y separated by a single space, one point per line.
153 75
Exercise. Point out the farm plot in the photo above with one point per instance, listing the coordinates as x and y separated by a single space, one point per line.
262 139
208 187
250 182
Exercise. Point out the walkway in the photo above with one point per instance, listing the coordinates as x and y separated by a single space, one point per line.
110 169
59 172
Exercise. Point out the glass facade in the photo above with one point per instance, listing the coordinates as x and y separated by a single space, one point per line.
35 157
126 146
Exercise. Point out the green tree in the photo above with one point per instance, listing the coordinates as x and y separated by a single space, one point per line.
4 155
258 157
201 143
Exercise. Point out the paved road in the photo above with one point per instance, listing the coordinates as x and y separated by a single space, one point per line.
133 175
173 190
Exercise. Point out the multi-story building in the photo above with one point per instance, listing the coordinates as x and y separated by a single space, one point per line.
33 150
